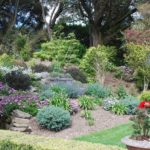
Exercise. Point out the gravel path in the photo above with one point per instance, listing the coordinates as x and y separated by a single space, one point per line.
103 120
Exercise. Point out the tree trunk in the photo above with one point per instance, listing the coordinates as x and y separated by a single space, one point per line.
146 83
96 37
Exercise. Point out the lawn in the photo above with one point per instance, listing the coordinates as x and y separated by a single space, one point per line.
111 136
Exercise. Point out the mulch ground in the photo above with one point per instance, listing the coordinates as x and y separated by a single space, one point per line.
103 120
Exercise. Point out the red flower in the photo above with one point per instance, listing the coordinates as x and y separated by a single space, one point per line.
144 104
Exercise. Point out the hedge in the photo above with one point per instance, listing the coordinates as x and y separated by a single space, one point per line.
19 141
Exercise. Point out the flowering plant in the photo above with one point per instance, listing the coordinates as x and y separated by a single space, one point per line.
9 96
141 122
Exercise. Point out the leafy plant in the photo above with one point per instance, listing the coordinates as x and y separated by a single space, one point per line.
97 90
121 92
86 103
6 60
145 96
54 118
29 107
62 50
18 80
131 104
119 109
60 100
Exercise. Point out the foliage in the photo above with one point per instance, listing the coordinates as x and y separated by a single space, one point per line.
6 60
145 96
109 102
96 60
97 90
62 50
56 67
54 118
88 116
18 80
12 141
29 107
86 103
119 109
141 124
121 92
60 100
131 104
140 55
77 74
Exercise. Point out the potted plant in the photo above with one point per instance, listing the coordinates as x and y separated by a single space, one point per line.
140 139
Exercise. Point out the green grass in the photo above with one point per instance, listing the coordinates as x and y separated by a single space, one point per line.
111 136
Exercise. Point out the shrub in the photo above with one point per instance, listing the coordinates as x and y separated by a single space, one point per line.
139 54
119 109
77 74
97 90
108 103
131 104
121 92
18 80
145 96
86 103
60 100
41 68
62 50
6 61
97 58
54 118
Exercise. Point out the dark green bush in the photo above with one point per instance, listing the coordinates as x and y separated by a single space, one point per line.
121 92
97 90
18 80
119 109
77 74
54 118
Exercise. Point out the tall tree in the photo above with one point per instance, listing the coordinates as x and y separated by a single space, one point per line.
106 17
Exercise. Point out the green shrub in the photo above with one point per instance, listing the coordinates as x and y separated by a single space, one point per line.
19 141
131 104
119 109
60 100
97 90
64 51
101 55
29 107
121 92
18 80
54 118
86 103
77 74
6 61
145 96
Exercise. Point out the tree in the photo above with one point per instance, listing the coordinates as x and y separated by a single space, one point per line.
138 58
106 17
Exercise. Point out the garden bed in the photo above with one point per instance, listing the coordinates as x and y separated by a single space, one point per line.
103 120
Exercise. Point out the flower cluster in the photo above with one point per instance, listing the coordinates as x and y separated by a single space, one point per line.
144 104
13 96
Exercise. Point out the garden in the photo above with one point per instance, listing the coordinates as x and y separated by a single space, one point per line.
73 77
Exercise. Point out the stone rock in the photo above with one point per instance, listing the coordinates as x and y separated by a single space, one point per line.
41 75
20 120
20 125
19 114
74 106
21 129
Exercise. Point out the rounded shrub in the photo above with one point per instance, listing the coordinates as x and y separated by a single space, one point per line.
54 118
145 96
18 80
